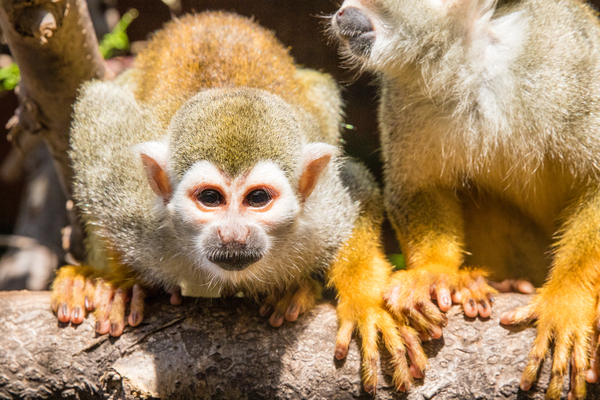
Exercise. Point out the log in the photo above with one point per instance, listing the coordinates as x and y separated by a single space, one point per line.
222 348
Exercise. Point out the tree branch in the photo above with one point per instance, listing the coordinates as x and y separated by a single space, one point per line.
54 44
222 349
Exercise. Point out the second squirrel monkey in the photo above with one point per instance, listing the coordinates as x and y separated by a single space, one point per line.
490 128
214 164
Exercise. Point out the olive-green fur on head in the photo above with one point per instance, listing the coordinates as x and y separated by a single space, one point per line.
235 129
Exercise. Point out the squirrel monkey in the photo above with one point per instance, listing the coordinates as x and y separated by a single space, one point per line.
215 165
490 129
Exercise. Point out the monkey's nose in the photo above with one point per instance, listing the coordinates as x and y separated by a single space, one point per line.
352 22
238 236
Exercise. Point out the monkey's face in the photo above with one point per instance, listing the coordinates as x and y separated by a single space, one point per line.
382 35
231 223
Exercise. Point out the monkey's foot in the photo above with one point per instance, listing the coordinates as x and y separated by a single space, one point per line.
566 321
410 293
72 293
75 291
110 302
290 304
399 338
474 293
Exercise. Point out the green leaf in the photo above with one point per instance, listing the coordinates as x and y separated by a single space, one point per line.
9 76
398 261
117 39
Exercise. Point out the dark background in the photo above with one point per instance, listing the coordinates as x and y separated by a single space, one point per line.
299 24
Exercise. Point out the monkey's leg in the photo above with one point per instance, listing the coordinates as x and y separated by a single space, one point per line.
565 307
360 274
429 225
291 303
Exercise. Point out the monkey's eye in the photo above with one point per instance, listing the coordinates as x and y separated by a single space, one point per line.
210 198
258 198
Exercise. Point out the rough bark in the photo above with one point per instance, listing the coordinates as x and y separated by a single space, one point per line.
208 349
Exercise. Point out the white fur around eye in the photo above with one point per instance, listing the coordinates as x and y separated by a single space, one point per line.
267 173
203 173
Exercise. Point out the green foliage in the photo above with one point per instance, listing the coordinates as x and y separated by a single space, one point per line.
117 39
398 261
9 76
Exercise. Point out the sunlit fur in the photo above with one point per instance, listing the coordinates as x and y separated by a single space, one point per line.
289 110
490 128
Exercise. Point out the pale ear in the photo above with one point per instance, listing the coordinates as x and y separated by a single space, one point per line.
315 158
154 159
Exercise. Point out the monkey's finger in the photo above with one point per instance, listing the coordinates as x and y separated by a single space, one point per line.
136 312
344 335
470 307
433 314
278 315
89 293
102 300
421 323
77 303
522 315
117 311
578 369
513 285
401 377
265 309
456 296
176 299
302 301
370 354
484 308
536 356
61 293
442 294
415 351
594 371
560 365
276 319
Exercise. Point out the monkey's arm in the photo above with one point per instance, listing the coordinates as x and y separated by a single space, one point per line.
360 274
429 224
565 307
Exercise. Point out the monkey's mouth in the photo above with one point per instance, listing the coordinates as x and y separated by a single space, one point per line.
354 28
234 259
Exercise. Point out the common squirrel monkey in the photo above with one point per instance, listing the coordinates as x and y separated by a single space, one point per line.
215 165
490 128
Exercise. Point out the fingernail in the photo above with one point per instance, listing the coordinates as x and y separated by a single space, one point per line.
98 326
369 388
64 309
491 300
340 353
88 305
472 303
264 310
525 385
446 299
292 309
76 312
113 329
135 316
483 304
